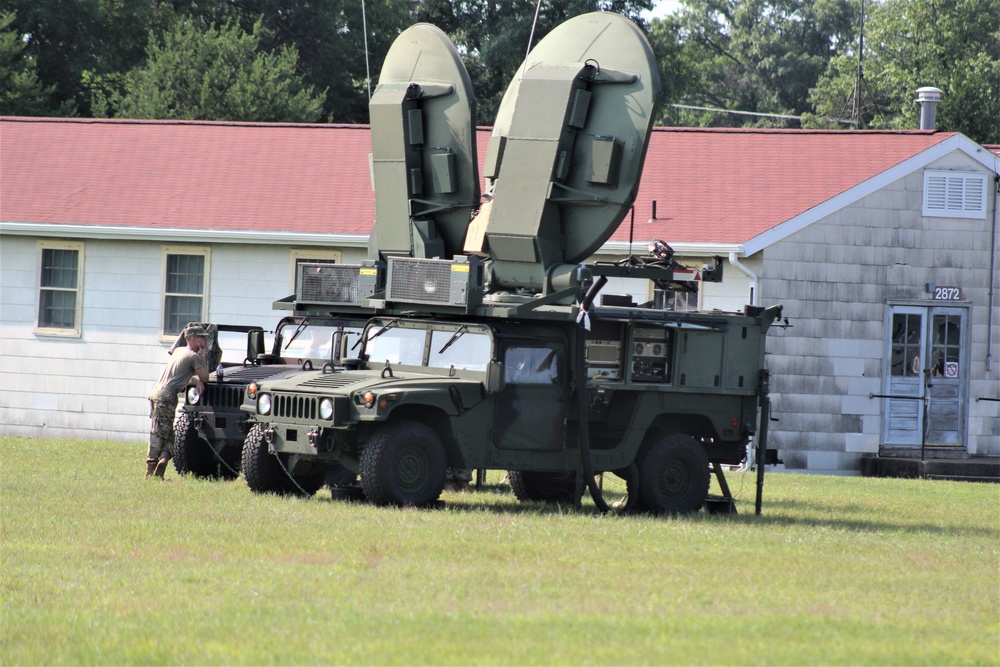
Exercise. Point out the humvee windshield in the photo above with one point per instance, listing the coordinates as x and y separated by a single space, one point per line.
464 348
310 341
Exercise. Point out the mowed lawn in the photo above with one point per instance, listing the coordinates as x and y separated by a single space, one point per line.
102 567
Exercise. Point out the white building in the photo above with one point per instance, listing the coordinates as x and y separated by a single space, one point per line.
113 234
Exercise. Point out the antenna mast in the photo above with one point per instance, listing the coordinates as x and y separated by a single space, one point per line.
855 100
368 72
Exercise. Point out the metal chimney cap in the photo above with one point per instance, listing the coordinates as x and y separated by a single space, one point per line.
929 94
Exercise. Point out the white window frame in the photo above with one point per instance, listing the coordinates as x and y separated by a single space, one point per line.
169 250
303 255
954 194
74 331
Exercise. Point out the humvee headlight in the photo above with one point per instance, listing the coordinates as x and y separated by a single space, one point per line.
326 408
264 404
193 395
369 399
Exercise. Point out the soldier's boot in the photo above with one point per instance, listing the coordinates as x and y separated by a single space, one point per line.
161 467
150 468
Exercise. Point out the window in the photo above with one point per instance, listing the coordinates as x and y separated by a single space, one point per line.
463 349
954 194
59 288
680 300
394 345
531 365
185 287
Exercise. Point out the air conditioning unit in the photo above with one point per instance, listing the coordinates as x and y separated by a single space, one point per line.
338 284
456 282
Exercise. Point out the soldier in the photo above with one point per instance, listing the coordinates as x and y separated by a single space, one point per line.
458 479
186 364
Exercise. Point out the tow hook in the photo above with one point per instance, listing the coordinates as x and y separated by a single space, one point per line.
313 438
269 436
199 421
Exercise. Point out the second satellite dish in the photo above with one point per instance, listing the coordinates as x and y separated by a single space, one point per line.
563 164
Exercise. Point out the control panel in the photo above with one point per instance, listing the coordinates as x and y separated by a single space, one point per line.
651 351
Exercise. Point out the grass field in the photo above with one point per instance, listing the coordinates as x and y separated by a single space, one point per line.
102 567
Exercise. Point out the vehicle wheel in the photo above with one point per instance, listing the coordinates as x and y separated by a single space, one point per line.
673 474
546 487
191 452
260 467
404 463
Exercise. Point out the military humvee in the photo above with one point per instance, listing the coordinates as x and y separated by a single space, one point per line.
662 397
491 346
210 427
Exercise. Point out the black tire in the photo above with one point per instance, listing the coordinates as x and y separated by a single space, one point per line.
264 472
191 453
260 468
546 487
404 463
673 474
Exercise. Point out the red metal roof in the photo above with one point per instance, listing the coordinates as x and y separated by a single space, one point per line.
728 186
710 185
227 176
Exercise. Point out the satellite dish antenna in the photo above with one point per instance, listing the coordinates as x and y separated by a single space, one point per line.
567 148
424 166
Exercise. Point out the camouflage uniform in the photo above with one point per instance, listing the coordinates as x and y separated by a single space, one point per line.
161 430
184 363
458 479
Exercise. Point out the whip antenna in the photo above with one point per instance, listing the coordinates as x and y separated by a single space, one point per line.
531 36
368 72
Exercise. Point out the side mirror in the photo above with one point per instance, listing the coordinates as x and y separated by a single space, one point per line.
494 377
255 344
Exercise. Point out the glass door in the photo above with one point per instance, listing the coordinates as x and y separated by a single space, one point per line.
924 377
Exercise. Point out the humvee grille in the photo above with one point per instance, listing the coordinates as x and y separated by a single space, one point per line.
222 396
293 407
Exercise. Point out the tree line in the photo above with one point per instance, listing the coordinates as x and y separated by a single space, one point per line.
724 63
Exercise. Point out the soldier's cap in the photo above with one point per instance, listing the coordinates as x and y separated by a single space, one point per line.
191 331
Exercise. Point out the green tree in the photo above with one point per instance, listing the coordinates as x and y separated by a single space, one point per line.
21 91
329 36
758 56
953 45
215 74
76 42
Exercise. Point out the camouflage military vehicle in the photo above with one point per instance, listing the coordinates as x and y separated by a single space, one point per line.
491 346
210 427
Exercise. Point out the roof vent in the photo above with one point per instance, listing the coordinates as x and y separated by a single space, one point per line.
928 98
